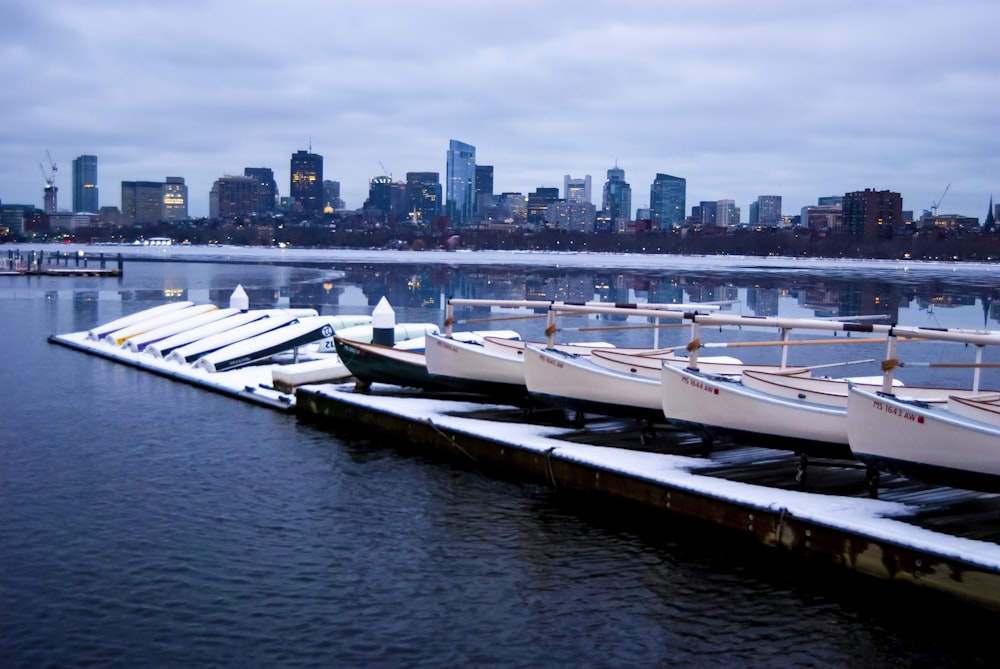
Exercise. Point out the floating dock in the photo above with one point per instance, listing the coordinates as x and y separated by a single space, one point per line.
39 263
940 539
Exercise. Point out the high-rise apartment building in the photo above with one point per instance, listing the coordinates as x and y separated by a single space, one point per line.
234 197
267 188
870 215
617 201
667 201
306 188
175 199
423 195
766 211
461 182
577 190
85 184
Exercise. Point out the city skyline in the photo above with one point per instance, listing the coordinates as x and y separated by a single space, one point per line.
792 99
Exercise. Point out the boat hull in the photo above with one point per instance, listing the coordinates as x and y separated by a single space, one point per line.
470 367
374 363
927 443
572 381
722 402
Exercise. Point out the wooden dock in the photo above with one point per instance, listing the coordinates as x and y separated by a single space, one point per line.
39 263
943 540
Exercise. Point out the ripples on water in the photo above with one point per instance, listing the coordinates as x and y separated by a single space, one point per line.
144 522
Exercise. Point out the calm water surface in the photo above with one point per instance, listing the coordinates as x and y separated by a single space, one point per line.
147 523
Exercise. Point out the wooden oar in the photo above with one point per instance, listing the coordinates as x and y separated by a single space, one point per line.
795 370
953 365
800 342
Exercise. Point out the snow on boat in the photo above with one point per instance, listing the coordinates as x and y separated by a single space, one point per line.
956 444
140 342
267 344
125 321
119 337
273 319
163 348
465 363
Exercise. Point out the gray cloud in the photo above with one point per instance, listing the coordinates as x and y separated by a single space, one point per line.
742 99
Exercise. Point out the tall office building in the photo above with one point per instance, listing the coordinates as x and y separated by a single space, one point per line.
484 188
617 201
234 197
331 195
667 201
423 195
175 199
142 202
539 203
766 211
306 186
378 206
576 190
871 215
461 182
267 189
85 184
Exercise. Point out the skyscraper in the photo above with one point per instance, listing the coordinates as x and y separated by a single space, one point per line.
484 188
267 189
142 202
617 201
85 184
576 190
423 195
766 210
667 201
234 197
175 199
461 182
306 188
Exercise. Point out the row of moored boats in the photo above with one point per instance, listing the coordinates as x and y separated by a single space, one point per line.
947 435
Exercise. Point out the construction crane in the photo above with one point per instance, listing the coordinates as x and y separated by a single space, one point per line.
384 171
935 205
50 184
50 176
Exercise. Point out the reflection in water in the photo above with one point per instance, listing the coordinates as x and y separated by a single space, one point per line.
939 299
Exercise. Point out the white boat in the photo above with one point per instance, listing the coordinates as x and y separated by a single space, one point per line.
573 381
955 444
694 397
166 346
268 344
466 363
146 314
274 318
120 336
139 343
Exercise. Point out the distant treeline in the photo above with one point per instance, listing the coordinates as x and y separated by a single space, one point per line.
797 242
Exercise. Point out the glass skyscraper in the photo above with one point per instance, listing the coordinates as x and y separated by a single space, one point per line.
461 182
617 203
667 204
85 184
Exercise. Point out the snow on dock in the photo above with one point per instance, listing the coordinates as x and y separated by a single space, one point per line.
914 534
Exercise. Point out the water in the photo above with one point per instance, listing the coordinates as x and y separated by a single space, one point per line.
144 522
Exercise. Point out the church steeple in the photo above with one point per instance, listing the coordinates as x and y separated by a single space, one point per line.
990 224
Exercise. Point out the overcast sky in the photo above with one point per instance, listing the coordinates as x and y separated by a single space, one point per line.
788 97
